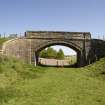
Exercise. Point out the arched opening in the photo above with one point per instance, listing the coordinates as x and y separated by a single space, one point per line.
71 55
57 55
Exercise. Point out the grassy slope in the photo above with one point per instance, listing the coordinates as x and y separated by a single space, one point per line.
2 40
22 84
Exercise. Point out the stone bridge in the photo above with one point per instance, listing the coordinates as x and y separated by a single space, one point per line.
28 48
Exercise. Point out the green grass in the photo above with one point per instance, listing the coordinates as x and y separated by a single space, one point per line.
2 40
22 84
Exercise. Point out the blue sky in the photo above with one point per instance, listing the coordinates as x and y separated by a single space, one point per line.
18 16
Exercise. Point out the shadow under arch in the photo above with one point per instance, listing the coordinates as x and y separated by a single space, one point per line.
71 45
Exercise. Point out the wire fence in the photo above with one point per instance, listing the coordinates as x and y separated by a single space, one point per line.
11 36
100 37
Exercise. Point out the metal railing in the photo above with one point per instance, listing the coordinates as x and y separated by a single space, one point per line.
100 37
12 36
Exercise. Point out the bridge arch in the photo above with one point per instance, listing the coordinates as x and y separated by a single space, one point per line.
68 44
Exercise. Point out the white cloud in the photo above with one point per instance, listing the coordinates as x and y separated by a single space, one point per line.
66 50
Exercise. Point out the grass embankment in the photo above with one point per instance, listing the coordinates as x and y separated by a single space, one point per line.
2 40
22 84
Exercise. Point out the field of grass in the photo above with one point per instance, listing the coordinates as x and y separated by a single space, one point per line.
22 84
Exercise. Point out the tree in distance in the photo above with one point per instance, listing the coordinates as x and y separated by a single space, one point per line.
51 53
60 54
43 53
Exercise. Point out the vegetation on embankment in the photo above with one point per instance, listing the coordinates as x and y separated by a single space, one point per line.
2 40
97 69
22 84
